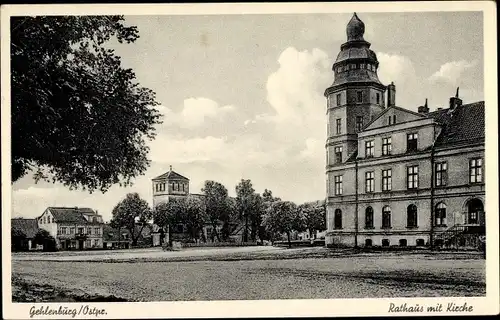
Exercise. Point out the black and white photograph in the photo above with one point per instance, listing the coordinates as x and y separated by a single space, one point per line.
249 153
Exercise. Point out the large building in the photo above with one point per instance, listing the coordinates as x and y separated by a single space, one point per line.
394 176
73 227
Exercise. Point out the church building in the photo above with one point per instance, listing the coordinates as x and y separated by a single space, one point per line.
396 177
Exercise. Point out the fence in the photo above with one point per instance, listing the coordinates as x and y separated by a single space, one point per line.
219 244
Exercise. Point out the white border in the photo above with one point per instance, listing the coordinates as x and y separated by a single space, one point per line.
268 308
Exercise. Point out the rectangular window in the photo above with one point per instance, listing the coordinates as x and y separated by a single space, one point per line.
72 230
89 231
338 185
386 146
412 177
378 98
338 99
59 231
359 123
412 142
97 231
359 96
369 182
369 148
338 126
475 170
338 154
387 180
81 230
441 174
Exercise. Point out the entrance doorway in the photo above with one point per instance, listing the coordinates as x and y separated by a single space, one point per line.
475 208
80 244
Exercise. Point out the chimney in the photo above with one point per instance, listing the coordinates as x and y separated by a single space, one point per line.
423 109
455 101
391 95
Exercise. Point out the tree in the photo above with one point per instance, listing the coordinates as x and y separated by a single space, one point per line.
315 217
267 200
249 207
216 205
78 117
283 217
133 214
43 238
267 196
194 216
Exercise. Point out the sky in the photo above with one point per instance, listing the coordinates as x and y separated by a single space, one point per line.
242 95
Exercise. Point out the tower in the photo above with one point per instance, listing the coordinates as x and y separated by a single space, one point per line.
356 95
169 185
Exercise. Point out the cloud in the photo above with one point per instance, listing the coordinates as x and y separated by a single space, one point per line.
451 72
194 112
296 89
396 68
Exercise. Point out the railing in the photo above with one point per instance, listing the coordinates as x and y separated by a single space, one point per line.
460 235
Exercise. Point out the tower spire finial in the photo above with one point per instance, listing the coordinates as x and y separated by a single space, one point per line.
170 167
425 103
456 95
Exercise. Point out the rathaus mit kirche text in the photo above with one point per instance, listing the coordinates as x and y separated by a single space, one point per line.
397 177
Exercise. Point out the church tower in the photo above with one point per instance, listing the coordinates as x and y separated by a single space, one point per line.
356 95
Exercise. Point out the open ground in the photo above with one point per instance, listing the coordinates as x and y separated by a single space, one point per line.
243 273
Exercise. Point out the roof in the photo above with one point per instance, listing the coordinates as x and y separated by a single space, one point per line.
71 214
28 226
171 175
464 124
387 110
111 234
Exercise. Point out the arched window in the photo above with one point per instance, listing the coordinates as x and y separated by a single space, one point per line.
411 216
440 214
386 217
369 218
403 242
385 242
420 242
337 221
368 243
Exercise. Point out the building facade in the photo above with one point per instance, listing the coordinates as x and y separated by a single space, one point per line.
394 176
73 228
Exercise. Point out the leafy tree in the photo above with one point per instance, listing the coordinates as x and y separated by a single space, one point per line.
228 220
133 214
283 217
43 237
249 207
216 205
315 217
267 200
194 216
168 214
267 196
78 116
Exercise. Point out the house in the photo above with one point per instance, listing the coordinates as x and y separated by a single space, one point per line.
395 176
73 227
120 238
114 238
23 233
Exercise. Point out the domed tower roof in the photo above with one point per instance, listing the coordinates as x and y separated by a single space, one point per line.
355 29
355 63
